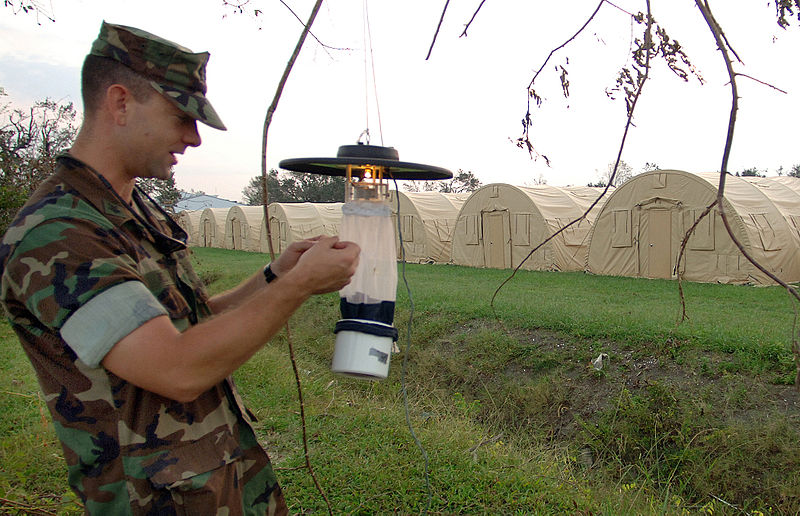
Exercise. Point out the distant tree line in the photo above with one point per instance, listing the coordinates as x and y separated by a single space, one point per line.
463 181
163 191
294 187
794 171
299 187
625 173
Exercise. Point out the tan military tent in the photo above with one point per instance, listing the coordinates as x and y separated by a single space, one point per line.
784 197
639 231
427 223
189 220
500 224
789 181
243 228
211 228
290 222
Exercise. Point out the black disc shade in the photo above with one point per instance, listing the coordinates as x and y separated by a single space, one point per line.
360 156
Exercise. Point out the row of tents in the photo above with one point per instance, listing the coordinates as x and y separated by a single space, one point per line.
635 230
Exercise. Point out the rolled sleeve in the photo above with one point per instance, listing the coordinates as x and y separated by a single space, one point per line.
93 329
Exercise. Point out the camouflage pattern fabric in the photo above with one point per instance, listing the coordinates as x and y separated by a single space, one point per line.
128 451
174 71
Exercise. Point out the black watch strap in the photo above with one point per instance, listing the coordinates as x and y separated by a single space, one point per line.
268 274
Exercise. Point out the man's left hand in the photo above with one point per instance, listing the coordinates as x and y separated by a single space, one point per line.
288 259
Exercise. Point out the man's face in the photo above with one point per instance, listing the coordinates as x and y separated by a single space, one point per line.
158 131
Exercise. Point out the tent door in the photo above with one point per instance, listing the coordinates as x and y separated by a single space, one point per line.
275 231
659 237
236 234
207 233
496 239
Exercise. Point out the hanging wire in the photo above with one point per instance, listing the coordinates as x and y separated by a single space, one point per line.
403 386
365 37
372 65
407 352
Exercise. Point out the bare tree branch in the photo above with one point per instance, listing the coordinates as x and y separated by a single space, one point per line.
641 80
677 270
464 34
612 4
761 82
30 6
705 10
524 140
438 28
267 121
323 45
567 42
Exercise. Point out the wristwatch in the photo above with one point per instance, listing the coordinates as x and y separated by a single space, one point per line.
268 274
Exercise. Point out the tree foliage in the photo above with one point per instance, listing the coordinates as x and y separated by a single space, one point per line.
294 187
164 191
463 181
35 7
785 9
30 140
624 173
649 167
750 172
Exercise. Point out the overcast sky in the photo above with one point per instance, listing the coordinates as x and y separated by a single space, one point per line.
462 108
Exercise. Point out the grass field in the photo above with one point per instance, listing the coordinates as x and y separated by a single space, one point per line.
697 418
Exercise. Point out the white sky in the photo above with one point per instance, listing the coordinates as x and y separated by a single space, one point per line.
458 110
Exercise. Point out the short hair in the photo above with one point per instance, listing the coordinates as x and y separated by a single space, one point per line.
99 73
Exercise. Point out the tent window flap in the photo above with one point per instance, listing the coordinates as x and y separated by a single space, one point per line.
576 234
521 229
621 235
408 228
795 223
702 238
471 230
443 230
765 232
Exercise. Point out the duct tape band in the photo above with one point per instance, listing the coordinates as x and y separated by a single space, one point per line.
368 327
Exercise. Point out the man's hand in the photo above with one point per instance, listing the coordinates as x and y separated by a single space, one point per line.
288 259
325 266
182 366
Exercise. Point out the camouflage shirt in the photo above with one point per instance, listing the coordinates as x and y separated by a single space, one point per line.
80 270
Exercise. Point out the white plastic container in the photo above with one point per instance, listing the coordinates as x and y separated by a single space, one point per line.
362 355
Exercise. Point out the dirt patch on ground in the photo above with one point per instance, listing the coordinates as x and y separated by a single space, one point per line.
585 387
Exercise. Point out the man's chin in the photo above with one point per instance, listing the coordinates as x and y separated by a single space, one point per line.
161 174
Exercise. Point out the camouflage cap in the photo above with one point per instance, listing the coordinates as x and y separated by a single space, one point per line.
174 71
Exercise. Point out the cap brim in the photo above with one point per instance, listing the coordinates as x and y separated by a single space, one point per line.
193 104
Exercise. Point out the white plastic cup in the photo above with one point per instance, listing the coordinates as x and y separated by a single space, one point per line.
362 355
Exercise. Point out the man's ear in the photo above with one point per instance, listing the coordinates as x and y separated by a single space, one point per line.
118 103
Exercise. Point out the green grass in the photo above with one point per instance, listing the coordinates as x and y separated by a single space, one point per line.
684 419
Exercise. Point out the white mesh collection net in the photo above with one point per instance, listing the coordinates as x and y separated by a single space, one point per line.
369 224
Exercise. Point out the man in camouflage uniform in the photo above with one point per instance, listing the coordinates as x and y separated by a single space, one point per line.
97 284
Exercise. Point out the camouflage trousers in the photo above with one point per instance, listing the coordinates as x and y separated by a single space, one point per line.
221 493
244 486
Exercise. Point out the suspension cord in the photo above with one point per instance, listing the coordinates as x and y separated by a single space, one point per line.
364 37
370 64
